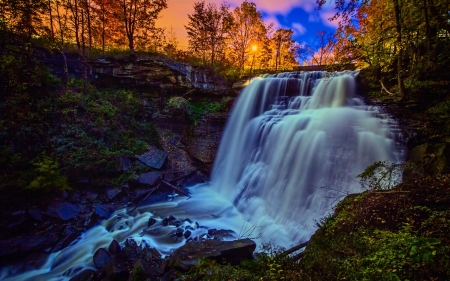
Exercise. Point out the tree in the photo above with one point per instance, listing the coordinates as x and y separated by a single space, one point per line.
75 17
408 38
171 43
283 44
247 28
137 16
24 16
323 51
207 29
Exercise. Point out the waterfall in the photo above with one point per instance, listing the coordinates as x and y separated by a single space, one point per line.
293 146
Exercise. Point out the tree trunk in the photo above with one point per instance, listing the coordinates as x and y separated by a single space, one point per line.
88 15
61 31
427 25
51 19
401 84
83 43
131 45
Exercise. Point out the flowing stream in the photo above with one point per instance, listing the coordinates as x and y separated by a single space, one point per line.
292 148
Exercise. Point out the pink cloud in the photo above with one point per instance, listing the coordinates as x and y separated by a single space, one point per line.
326 15
298 28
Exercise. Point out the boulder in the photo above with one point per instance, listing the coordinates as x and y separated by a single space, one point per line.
116 269
112 192
35 213
223 234
114 248
428 158
144 268
151 221
187 234
27 243
150 178
62 210
154 157
193 252
104 211
101 258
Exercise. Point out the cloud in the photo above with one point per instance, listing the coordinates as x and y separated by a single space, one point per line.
276 7
298 28
325 15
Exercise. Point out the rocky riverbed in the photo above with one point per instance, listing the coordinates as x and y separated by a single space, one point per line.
31 233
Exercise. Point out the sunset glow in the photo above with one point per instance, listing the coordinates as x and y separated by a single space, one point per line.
301 16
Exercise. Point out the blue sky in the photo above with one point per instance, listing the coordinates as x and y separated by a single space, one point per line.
301 16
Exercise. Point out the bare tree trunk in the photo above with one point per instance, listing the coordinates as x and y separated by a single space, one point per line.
103 27
51 19
83 42
401 84
427 24
74 7
88 15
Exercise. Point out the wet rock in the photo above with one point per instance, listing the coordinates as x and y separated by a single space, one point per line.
131 243
144 267
35 213
223 234
179 232
101 258
151 221
187 234
62 210
91 196
212 231
131 249
175 223
114 248
27 243
150 253
89 220
196 178
230 251
150 178
68 230
153 158
112 192
104 211
116 269
204 141
84 275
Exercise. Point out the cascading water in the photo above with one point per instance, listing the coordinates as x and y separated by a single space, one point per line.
293 146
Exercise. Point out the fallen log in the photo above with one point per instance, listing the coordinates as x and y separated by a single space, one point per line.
174 187
296 248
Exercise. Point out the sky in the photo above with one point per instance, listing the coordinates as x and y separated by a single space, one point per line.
302 16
